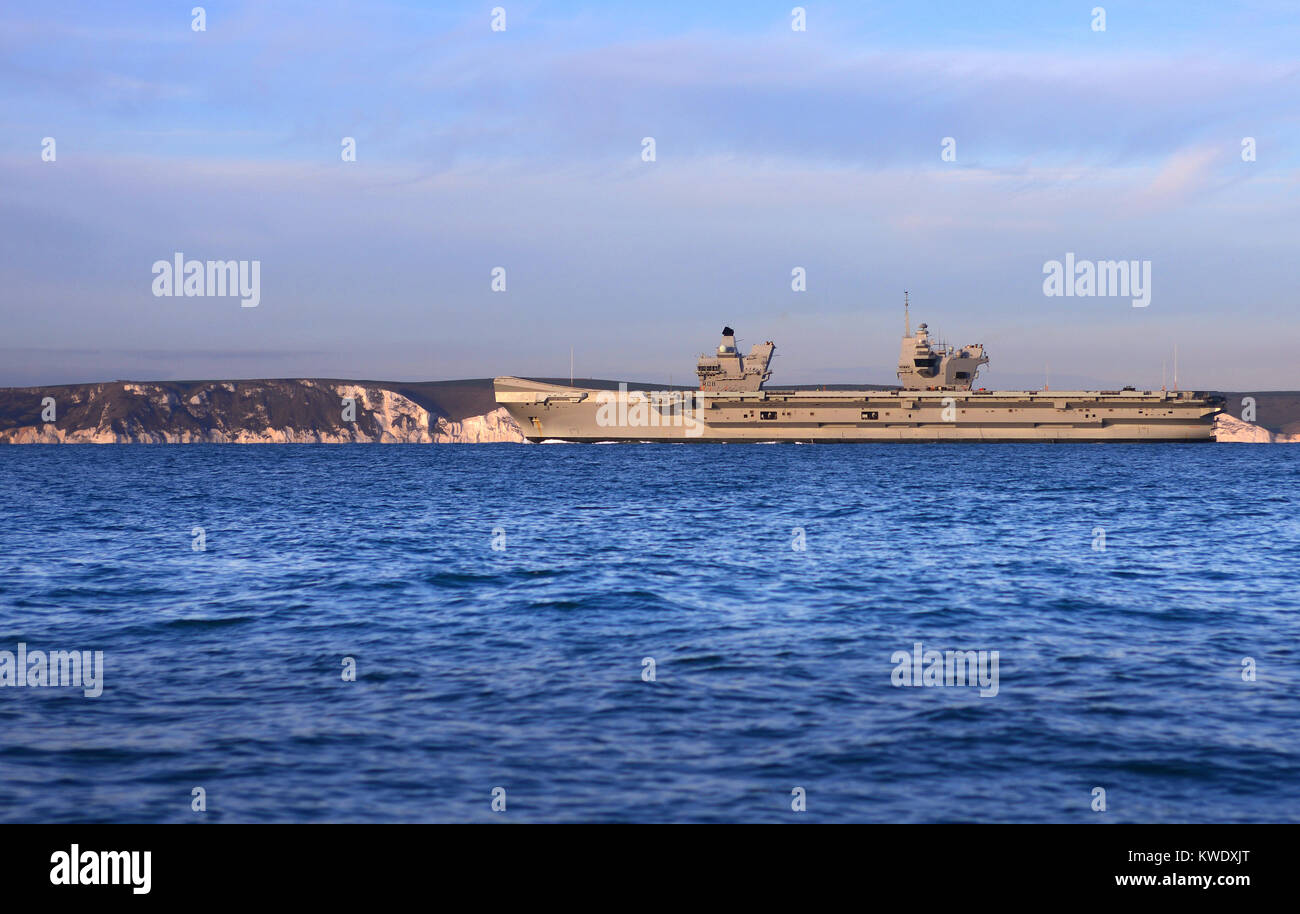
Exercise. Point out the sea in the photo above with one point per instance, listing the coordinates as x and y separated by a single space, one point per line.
1071 633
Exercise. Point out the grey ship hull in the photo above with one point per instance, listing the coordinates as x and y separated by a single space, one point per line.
550 412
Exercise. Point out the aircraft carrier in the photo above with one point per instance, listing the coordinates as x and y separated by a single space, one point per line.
936 401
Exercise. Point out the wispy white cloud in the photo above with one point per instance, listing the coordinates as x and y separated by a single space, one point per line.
774 150
1185 172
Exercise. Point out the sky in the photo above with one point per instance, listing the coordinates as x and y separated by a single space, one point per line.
774 149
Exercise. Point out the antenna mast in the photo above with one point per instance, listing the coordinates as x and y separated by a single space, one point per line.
907 317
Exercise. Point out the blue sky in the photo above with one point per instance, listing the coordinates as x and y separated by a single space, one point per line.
774 149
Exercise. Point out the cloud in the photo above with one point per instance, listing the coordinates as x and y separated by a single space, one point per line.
1185 172
441 88
522 149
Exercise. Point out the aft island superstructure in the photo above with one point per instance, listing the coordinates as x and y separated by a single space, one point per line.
936 401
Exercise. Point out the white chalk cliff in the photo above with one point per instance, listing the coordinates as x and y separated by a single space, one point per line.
1231 429
270 412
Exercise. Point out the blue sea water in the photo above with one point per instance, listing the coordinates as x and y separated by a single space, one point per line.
521 666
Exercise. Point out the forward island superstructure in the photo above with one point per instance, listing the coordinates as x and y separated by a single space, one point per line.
936 401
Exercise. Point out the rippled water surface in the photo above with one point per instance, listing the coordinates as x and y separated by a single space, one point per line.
522 667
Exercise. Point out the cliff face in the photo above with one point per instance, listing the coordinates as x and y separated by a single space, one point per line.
1231 429
1274 411
238 412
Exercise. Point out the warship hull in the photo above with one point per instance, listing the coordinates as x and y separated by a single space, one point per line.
551 412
